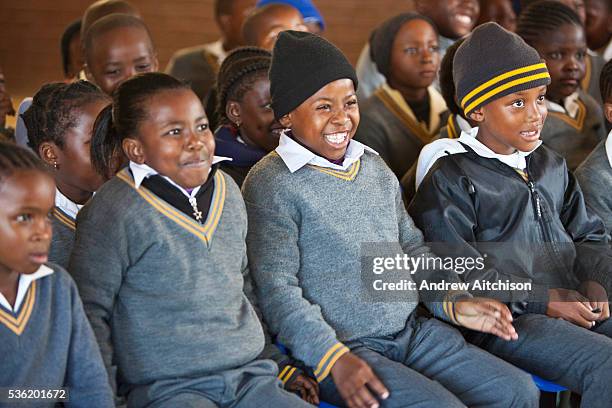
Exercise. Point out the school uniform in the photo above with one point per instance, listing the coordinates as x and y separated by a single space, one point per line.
389 126
574 129
63 222
593 63
47 343
595 177
308 219
526 215
228 143
175 292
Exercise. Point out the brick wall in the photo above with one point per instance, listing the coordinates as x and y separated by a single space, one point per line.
31 29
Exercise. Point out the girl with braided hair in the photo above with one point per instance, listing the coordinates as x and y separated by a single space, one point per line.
60 124
248 130
575 120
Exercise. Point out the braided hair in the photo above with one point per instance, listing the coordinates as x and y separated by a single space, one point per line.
55 109
237 75
544 17
15 158
605 82
447 84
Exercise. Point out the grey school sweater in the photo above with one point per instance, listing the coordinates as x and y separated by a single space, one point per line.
595 178
166 296
48 344
304 242
62 242
575 138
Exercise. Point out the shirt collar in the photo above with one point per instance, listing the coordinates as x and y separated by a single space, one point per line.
570 105
515 160
24 284
464 125
142 171
297 156
609 147
66 205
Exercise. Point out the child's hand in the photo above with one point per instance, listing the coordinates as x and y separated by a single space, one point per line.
487 316
598 298
307 387
355 380
571 306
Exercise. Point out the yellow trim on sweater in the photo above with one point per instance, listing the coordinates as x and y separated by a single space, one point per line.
452 130
286 374
203 231
588 69
329 359
18 325
505 86
576 123
64 218
501 77
348 175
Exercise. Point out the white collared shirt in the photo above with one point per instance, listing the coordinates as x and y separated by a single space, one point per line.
24 284
66 205
442 147
297 156
464 125
570 105
142 171
609 147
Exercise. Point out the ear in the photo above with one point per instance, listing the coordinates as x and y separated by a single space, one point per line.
477 115
48 152
88 74
286 121
133 149
155 63
232 110
608 111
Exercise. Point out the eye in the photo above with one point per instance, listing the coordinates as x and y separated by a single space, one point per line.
519 103
267 106
202 127
434 48
23 218
555 55
112 72
541 98
326 107
352 102
580 55
143 67
411 51
174 132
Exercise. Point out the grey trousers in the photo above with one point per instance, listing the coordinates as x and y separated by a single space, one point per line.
429 364
562 352
250 386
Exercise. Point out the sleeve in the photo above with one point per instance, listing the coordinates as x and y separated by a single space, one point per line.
593 252
274 255
444 209
596 194
288 369
98 260
86 378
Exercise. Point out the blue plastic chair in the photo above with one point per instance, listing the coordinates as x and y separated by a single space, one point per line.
326 405
549 390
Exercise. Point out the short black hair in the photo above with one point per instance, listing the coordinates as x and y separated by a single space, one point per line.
70 32
544 16
16 158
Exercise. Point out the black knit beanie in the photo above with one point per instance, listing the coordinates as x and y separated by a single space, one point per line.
303 63
493 62
381 40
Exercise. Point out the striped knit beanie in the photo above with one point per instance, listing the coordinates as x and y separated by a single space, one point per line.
492 63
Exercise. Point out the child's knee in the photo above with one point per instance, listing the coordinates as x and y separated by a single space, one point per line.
518 390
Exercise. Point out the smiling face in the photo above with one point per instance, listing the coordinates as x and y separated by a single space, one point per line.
453 18
255 116
119 54
513 122
326 122
27 198
175 139
415 56
564 51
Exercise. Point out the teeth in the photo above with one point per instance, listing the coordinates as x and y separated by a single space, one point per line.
336 138
530 134
464 19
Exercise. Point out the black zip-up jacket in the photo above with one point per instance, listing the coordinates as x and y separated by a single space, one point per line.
536 230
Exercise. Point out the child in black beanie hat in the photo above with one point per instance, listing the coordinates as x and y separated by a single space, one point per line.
498 191
312 203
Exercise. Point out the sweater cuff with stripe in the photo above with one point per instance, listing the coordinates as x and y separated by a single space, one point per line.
327 361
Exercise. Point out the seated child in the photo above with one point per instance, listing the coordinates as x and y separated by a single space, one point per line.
406 112
174 262
117 47
311 204
599 27
60 123
497 11
500 194
262 26
248 130
453 19
313 20
575 120
70 45
46 342
595 173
